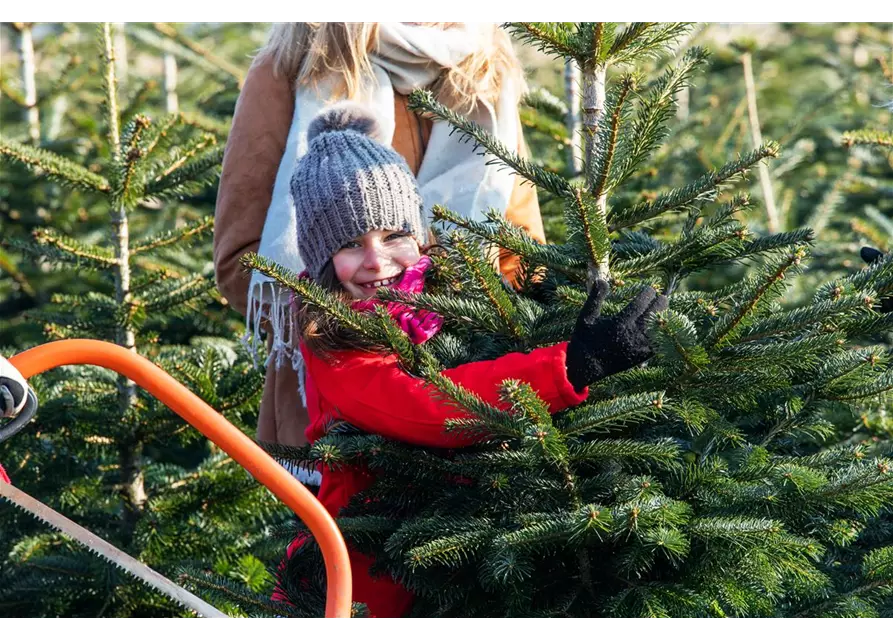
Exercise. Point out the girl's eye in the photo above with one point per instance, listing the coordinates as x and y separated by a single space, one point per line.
396 236
353 244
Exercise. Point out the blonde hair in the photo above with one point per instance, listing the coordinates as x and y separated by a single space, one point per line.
304 52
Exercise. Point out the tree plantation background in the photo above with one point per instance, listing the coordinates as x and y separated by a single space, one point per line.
744 472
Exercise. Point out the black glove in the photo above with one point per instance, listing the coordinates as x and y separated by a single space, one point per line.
871 255
600 347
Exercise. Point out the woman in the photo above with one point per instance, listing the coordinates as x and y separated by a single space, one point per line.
305 66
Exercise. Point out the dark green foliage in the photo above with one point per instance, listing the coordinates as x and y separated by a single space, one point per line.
130 470
716 481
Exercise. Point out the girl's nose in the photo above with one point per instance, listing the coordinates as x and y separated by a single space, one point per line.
372 257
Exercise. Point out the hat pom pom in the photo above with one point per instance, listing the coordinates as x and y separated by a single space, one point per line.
345 116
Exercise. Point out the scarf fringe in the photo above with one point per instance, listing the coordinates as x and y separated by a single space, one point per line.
301 472
267 303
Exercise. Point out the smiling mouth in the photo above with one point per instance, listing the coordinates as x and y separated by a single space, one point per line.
375 284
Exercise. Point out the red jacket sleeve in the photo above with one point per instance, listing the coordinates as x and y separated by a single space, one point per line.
374 394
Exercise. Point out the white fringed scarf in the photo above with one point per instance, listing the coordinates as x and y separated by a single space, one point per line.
451 173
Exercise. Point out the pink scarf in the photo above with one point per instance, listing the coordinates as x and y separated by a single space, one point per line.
420 325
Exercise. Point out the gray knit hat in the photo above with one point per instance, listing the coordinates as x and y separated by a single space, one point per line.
348 184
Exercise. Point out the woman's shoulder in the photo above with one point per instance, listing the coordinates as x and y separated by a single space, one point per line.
264 78
411 133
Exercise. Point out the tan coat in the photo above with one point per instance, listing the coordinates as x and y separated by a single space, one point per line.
256 143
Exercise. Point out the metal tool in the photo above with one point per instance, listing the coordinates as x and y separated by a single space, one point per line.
108 551
219 430
21 416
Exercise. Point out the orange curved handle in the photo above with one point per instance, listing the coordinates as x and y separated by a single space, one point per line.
220 431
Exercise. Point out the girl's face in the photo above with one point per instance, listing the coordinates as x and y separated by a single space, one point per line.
376 259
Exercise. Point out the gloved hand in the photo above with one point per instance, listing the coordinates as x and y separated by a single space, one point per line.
13 389
871 255
600 347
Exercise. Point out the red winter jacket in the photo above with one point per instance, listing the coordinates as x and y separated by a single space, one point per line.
371 392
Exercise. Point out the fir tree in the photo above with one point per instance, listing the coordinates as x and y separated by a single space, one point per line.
712 482
100 450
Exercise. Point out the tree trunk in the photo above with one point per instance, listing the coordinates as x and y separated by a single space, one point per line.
121 66
572 120
756 136
172 103
593 107
130 452
29 80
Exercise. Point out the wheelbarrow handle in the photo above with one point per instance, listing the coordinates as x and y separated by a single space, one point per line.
18 423
220 431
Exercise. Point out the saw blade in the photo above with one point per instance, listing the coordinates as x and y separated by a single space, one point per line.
108 551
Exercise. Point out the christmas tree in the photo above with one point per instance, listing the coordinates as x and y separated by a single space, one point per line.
716 481
127 260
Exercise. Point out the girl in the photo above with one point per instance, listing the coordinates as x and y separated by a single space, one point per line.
360 227
304 65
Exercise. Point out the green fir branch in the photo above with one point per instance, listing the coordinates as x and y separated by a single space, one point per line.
468 311
663 453
489 284
677 341
127 189
854 366
691 252
499 231
181 237
589 522
648 131
607 144
772 280
646 40
588 225
423 101
866 488
883 385
399 343
557 39
595 40
543 101
865 324
609 415
485 421
56 167
312 293
232 596
189 172
55 247
161 137
875 279
451 551
169 294
878 565
531 409
867 137
631 34
704 188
